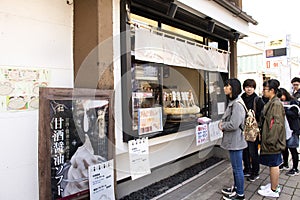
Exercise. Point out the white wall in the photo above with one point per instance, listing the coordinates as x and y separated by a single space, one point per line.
33 34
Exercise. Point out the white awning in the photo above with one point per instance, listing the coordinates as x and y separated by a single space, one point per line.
160 48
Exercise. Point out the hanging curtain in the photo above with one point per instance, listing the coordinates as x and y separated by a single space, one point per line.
149 46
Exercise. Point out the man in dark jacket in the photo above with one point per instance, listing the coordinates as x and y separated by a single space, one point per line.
296 87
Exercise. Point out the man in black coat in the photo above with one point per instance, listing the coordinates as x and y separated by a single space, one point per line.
296 87
250 154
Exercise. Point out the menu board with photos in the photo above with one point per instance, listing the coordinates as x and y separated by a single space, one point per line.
75 132
149 120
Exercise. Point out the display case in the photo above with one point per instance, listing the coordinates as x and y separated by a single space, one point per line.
161 100
146 98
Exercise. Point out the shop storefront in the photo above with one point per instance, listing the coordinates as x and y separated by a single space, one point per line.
165 60
172 74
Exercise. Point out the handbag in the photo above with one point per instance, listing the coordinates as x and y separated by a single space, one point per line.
288 131
293 141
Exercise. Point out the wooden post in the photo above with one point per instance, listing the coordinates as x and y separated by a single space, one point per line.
233 59
93 44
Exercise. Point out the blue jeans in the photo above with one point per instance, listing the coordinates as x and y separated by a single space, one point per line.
236 159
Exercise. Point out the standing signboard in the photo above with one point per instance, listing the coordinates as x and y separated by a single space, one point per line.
75 132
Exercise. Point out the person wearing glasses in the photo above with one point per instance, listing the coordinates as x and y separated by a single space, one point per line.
296 87
273 137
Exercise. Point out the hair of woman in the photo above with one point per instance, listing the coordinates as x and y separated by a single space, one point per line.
272 84
235 87
284 92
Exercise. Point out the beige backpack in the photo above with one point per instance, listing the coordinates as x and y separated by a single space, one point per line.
251 130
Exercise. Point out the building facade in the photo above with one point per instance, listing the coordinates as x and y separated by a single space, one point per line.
118 45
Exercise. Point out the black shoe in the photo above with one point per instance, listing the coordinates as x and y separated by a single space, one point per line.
229 191
293 172
284 167
247 173
253 177
234 197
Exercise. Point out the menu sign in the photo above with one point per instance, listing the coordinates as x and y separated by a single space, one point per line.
77 138
101 181
139 158
149 120
202 134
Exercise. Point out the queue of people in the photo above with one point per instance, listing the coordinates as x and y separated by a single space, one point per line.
277 113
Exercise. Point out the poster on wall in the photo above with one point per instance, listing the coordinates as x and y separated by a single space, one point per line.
75 132
19 87
149 120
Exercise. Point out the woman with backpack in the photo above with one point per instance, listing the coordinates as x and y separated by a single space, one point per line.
292 114
233 139
250 154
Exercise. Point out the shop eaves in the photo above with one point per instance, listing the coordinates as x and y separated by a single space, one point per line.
236 11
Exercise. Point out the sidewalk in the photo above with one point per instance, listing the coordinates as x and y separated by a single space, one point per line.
208 185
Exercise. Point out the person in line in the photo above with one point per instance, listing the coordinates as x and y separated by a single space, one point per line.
254 102
233 140
292 114
273 139
296 87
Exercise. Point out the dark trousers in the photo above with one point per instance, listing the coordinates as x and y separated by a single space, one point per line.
251 158
295 157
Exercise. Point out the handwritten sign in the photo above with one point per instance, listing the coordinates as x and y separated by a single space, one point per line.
201 134
149 120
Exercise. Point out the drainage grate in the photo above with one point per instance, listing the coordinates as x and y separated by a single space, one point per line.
162 186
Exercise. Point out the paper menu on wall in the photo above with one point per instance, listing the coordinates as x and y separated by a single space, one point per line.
101 181
139 158
214 131
201 134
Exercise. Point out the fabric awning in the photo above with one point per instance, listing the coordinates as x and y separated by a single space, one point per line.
153 47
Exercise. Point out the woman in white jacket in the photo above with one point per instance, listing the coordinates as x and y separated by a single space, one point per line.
233 139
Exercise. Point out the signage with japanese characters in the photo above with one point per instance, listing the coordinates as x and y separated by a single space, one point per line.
202 134
101 181
139 158
19 87
80 135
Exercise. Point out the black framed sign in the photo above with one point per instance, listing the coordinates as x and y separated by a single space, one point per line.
76 130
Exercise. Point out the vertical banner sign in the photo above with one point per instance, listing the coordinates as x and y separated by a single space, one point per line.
78 140
139 158
201 134
76 131
101 181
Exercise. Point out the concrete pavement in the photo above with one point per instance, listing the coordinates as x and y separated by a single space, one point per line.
208 185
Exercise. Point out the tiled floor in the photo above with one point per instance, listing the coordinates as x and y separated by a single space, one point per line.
209 183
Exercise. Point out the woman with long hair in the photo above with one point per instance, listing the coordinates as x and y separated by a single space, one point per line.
233 139
292 114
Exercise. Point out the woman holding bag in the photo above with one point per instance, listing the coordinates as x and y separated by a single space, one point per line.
292 114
